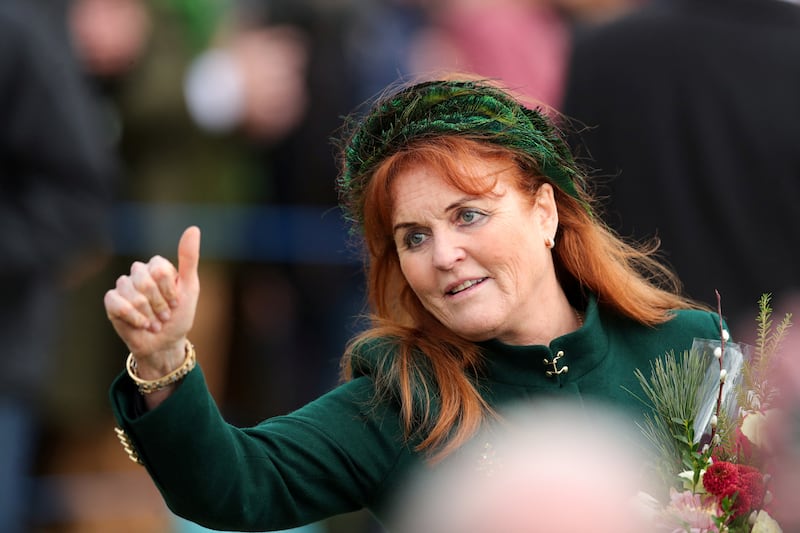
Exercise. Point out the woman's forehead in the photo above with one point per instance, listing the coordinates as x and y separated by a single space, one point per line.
470 174
423 188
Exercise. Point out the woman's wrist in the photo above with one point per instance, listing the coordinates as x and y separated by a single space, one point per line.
158 364
166 373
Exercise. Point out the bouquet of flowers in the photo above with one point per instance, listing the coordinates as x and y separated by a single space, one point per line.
710 408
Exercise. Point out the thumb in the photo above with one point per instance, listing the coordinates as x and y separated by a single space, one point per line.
189 254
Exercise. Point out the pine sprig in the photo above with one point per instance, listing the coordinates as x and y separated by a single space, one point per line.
769 340
764 324
671 393
757 392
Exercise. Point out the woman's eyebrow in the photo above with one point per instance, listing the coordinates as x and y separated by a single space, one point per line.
402 225
453 206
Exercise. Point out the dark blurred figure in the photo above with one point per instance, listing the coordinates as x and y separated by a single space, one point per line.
691 109
55 185
379 42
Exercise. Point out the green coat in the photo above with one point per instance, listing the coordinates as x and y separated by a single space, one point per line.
342 452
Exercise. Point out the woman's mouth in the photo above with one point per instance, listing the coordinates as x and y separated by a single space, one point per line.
464 286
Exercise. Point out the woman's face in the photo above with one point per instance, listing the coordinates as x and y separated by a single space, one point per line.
479 264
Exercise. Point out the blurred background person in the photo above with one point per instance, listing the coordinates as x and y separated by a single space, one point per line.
109 36
57 173
690 110
524 43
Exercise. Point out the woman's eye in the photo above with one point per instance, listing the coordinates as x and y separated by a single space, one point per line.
412 240
469 216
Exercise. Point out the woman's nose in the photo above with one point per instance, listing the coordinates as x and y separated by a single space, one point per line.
447 251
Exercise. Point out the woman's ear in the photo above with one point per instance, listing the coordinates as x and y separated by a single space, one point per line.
546 212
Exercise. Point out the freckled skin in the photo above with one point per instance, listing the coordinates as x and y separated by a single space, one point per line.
445 237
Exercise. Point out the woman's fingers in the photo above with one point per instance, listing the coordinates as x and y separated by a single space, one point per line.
164 278
120 308
149 291
152 281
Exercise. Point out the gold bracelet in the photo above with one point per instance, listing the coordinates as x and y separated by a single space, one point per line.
150 386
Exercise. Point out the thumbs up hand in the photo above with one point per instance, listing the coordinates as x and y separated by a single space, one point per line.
152 309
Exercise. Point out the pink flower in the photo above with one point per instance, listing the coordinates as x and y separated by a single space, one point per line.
689 512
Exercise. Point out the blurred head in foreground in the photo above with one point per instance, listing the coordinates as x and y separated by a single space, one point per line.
553 467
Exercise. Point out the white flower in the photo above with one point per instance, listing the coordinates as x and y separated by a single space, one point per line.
688 477
722 375
765 524
725 335
718 352
754 427
688 481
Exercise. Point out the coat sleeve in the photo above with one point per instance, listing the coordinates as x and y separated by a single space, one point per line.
329 457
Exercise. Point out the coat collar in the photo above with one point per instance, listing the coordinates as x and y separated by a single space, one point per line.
581 350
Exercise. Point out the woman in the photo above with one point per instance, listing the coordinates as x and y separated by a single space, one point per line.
490 278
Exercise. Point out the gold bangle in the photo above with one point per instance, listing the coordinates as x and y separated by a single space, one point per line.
150 386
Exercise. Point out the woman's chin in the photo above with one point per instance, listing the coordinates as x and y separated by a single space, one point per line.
474 332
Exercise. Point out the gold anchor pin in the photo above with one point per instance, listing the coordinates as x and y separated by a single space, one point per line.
556 371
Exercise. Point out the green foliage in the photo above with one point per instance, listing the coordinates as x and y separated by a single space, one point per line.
757 391
671 392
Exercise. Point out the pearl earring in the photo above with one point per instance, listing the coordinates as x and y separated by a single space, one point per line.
549 242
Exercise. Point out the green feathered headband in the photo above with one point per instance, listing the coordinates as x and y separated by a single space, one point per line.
451 108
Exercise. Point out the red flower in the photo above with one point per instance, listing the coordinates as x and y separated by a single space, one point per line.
720 478
743 484
751 482
741 501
